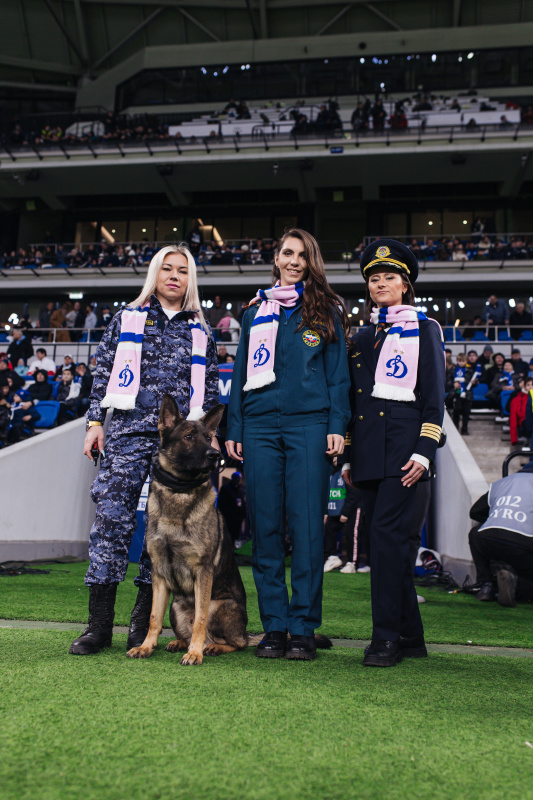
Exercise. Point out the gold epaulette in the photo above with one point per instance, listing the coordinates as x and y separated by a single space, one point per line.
348 439
431 431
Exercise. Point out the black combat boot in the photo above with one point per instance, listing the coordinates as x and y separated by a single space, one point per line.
101 614
140 616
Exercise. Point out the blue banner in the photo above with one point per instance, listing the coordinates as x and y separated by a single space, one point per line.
225 372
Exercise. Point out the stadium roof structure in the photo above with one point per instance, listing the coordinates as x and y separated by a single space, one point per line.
83 48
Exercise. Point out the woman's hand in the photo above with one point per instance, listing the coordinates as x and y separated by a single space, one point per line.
234 449
347 477
335 445
94 434
416 471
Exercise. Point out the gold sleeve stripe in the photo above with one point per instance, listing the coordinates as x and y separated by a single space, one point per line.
431 431
435 436
348 439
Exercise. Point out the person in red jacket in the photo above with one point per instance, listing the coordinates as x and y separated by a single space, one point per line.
517 411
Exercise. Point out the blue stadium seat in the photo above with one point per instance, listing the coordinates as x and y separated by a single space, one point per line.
479 391
505 399
503 336
479 336
49 411
3 337
448 334
55 389
527 336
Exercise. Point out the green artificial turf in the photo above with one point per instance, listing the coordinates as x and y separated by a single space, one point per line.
61 596
107 728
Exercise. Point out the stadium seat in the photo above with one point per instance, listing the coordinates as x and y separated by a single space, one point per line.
55 389
49 411
479 392
527 336
479 336
503 336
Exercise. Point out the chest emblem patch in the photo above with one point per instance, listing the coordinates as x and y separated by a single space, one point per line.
311 338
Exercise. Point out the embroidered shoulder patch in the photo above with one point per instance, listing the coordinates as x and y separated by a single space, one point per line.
311 338
149 322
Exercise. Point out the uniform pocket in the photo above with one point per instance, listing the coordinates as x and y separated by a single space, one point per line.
404 412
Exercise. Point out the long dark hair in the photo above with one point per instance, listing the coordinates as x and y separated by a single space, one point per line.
320 304
408 296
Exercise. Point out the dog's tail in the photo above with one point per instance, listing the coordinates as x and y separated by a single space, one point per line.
322 642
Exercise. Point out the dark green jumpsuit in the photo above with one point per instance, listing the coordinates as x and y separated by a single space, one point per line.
283 428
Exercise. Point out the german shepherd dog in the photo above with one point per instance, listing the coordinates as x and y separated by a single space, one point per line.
189 546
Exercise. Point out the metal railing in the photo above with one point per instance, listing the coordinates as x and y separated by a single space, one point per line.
499 337
341 137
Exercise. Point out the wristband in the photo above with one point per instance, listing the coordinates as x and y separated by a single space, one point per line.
92 423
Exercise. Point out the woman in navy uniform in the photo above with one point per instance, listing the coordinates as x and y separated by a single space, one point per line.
288 411
398 380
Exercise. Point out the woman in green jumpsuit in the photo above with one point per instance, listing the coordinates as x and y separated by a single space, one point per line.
288 412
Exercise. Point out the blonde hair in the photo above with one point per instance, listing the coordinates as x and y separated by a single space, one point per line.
191 301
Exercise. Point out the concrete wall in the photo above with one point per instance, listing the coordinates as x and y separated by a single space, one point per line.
459 483
46 508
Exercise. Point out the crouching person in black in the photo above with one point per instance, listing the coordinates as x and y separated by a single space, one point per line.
505 535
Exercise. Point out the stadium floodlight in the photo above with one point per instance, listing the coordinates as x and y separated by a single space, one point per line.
512 302
355 310
430 222
361 60
470 55
460 59
203 70
225 70
229 306
448 304
461 304
435 307
465 222
434 57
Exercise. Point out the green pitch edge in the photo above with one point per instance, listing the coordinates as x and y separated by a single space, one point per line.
458 649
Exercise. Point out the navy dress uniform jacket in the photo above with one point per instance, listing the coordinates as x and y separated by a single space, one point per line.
384 434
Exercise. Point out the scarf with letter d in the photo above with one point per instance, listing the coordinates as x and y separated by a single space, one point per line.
397 367
263 332
125 378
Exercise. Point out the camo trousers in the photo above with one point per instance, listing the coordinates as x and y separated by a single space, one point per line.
116 491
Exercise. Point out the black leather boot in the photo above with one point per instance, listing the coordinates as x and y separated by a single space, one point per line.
99 631
140 616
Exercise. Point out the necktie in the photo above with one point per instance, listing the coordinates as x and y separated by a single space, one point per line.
381 332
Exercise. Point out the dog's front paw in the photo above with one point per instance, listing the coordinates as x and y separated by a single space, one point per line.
140 652
175 645
192 657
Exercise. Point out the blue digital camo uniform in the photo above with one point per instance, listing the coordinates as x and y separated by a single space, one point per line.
132 438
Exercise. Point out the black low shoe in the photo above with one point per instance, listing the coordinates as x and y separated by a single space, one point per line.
272 645
413 646
301 647
382 654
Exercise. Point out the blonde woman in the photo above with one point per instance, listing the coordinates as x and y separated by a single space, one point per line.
158 344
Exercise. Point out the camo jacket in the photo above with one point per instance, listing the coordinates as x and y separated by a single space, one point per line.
165 368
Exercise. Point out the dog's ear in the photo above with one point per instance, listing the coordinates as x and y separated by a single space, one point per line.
169 414
212 418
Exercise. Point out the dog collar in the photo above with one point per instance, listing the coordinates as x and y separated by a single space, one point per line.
169 481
